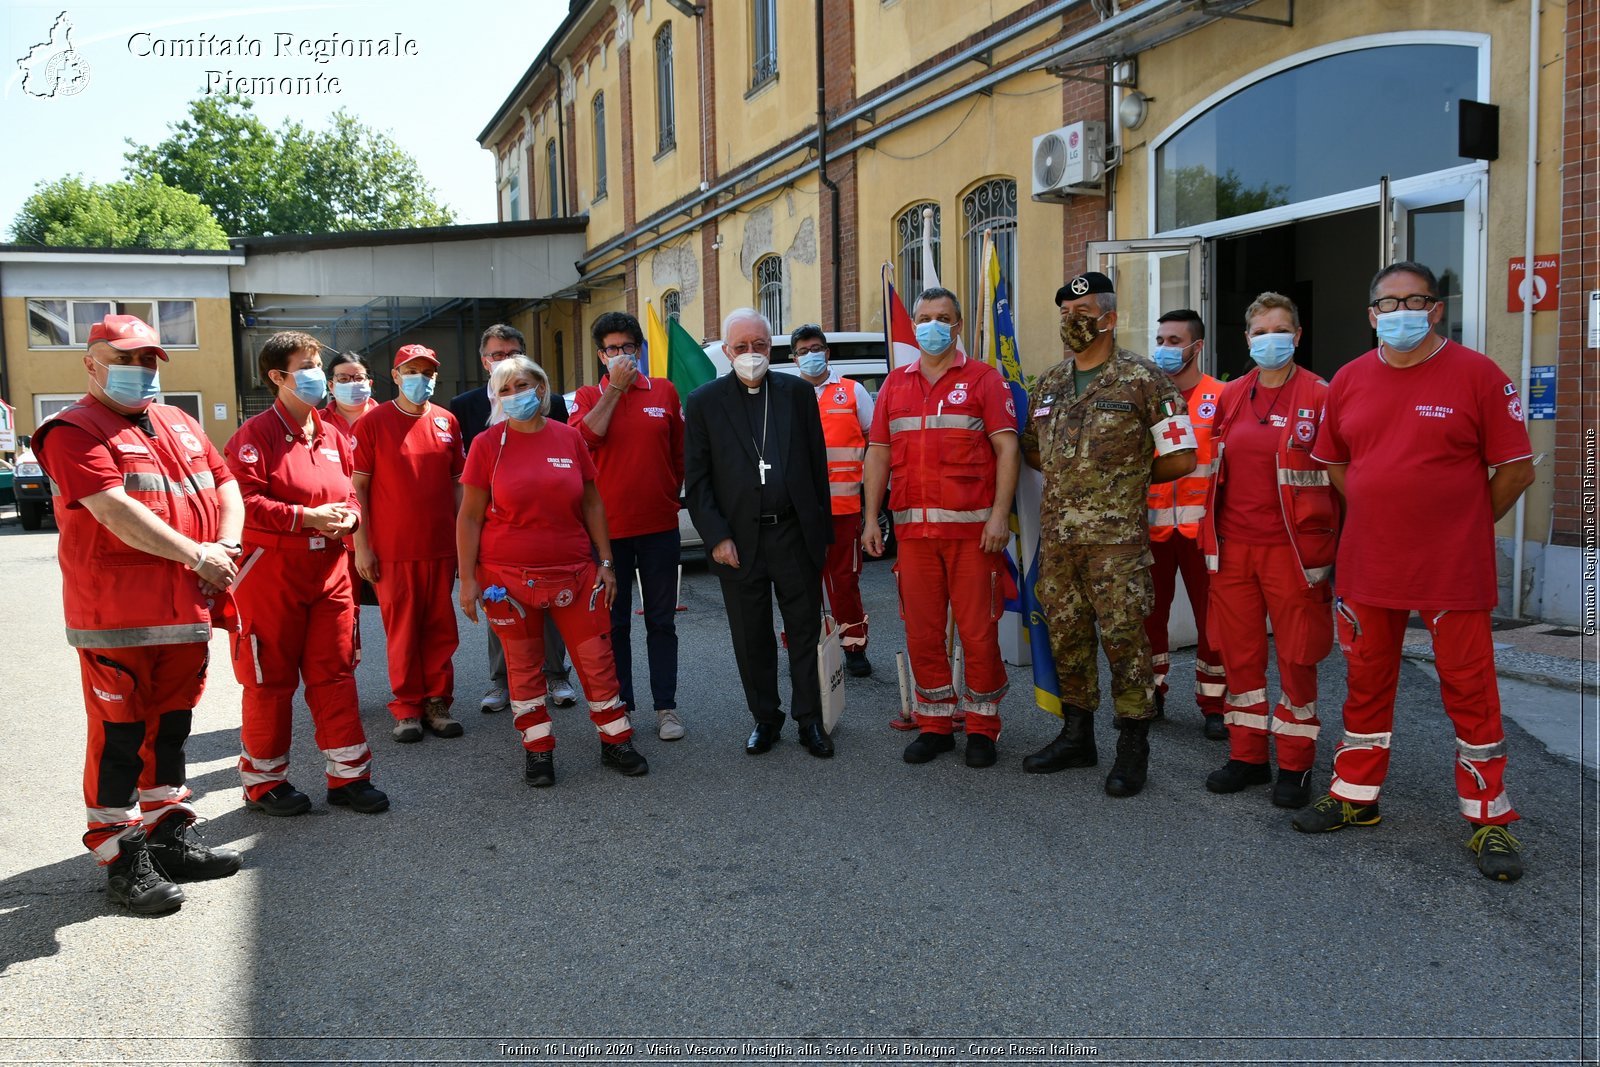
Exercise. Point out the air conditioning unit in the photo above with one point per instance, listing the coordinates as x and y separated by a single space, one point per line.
1070 161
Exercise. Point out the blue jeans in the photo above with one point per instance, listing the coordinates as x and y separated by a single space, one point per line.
655 557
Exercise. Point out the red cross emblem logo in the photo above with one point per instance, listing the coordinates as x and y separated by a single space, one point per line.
1173 432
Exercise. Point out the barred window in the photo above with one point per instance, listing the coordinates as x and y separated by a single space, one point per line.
991 206
671 305
769 290
908 241
763 41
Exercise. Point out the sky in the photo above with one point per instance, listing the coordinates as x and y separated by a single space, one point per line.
433 100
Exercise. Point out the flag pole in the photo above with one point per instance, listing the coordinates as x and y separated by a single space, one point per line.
888 316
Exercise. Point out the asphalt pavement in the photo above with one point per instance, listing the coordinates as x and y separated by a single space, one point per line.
729 909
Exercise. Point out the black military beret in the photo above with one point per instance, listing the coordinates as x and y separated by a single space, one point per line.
1091 281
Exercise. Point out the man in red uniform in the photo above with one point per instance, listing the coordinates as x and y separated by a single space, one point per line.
944 441
149 520
846 410
634 428
407 464
1426 441
297 608
1176 510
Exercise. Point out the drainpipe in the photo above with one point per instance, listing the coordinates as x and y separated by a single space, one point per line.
5 369
1521 522
822 171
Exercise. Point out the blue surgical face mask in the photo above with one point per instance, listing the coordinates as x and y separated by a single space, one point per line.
310 385
1169 358
130 385
1272 350
812 364
1403 329
352 394
621 363
416 387
522 406
933 336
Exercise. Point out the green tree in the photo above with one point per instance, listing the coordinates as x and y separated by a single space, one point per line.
293 179
144 213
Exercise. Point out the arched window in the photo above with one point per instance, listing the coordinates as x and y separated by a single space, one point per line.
1307 131
908 258
992 206
552 177
666 134
514 199
769 290
671 305
599 146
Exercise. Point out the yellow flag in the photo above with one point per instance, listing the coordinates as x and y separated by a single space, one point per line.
655 340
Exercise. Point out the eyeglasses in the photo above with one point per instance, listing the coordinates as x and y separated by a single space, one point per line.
620 350
814 351
345 379
496 357
1385 304
745 348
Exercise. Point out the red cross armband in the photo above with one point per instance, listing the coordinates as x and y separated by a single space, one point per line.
1173 434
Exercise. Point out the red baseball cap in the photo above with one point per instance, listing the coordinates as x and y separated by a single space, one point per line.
126 333
407 353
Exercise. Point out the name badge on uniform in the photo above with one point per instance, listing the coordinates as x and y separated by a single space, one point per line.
330 453
1113 405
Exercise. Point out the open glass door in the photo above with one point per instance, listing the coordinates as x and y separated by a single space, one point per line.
1441 227
1153 277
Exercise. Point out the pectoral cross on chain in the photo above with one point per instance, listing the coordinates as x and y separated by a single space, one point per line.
763 467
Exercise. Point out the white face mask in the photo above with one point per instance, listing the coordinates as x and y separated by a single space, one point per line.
752 366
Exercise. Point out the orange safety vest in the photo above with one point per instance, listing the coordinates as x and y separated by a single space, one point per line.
119 597
1306 497
847 445
1179 505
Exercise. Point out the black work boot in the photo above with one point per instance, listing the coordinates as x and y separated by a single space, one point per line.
1238 774
623 758
133 881
539 769
1132 765
1073 746
175 845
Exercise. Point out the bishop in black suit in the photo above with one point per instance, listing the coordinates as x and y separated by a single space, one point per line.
756 475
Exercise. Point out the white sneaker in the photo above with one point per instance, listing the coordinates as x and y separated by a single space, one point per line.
561 693
668 726
495 700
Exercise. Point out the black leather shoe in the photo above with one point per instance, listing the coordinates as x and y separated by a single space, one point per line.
927 746
539 769
1161 705
1216 727
980 751
282 799
815 740
857 665
762 737
1237 774
1293 788
176 847
360 795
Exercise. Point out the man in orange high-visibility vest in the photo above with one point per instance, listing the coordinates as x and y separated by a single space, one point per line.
846 410
1176 509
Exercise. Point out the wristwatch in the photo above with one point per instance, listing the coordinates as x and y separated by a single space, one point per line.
608 565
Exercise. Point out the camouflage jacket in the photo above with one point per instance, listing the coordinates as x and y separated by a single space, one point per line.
1095 449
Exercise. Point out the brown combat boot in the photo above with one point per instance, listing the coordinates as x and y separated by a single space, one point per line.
436 716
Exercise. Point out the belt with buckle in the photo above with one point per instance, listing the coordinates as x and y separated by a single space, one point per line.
772 518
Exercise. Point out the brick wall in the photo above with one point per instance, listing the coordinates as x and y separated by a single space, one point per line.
1578 370
838 56
625 74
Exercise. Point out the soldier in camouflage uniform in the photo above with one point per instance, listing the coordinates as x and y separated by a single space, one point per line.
1091 422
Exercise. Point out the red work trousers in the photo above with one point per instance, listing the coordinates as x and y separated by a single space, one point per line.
841 582
419 624
1252 584
1463 649
587 631
297 619
939 577
140 702
1170 557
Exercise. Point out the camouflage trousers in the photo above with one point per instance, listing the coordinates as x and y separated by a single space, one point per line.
1081 585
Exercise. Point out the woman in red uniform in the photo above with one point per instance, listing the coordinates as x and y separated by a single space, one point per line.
1269 533
350 382
296 612
529 523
